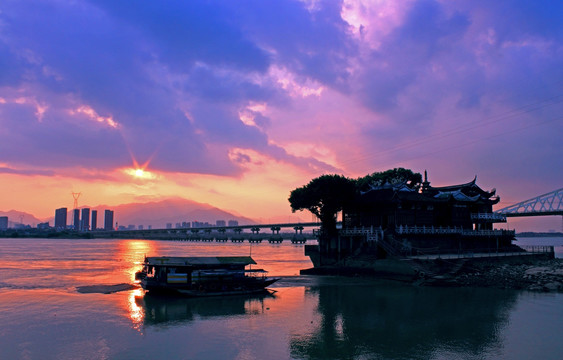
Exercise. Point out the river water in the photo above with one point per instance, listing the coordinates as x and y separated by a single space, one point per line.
43 316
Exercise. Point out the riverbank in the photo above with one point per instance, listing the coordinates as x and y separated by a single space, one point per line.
533 275
530 272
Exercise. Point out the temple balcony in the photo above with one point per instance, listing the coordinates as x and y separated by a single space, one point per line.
488 217
450 230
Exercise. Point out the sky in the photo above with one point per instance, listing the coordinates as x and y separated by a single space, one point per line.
236 103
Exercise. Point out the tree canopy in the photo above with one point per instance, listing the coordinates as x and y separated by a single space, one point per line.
392 176
323 196
326 195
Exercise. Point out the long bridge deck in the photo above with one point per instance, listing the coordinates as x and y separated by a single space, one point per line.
222 233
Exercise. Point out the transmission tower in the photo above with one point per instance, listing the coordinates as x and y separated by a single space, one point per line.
75 196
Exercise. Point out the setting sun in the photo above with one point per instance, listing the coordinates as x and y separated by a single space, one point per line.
140 173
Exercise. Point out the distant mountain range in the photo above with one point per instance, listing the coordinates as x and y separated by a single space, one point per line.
20 217
157 214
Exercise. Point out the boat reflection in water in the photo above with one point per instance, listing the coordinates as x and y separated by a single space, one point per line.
162 309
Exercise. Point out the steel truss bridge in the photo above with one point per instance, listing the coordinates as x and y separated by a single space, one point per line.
546 204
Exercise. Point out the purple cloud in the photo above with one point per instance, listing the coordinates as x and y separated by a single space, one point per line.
460 86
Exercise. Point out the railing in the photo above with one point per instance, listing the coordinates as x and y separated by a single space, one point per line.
483 253
450 230
489 216
427 230
372 234
487 232
538 249
357 231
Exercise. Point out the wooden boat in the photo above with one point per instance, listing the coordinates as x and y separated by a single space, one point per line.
203 276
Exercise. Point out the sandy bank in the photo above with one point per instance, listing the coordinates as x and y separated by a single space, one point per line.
105 289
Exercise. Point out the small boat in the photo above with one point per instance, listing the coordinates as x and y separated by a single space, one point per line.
203 276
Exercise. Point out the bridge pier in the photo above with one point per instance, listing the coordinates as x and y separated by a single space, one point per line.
275 238
221 235
255 237
298 238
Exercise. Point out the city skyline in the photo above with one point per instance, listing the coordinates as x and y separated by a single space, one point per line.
235 106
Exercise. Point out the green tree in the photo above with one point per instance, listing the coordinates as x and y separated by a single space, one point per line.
324 196
397 175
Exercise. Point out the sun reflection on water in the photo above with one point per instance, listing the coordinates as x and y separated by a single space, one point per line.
136 312
133 253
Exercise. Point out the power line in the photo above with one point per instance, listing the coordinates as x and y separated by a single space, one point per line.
525 109
483 138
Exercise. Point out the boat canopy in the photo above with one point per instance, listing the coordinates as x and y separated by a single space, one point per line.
198 261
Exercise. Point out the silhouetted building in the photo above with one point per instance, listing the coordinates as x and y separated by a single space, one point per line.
233 223
85 221
3 222
394 220
60 218
108 220
43 226
94 219
141 227
76 219
169 225
199 224
220 223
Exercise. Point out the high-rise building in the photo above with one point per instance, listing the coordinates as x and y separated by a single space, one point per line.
108 220
76 219
169 225
60 218
94 219
85 220
3 222
220 223
233 223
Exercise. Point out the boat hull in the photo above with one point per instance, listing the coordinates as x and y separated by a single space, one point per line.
253 288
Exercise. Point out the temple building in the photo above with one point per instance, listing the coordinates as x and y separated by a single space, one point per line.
395 220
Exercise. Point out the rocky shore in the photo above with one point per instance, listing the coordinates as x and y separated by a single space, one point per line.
533 275
537 272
